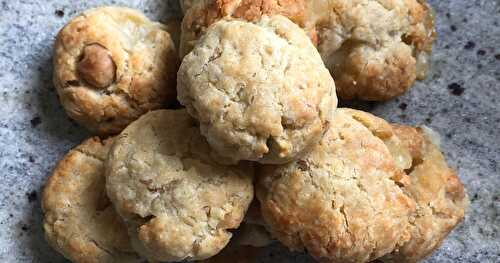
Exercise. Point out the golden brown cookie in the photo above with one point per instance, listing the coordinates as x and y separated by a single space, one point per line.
200 15
438 192
111 65
340 201
265 98
374 49
176 201
79 220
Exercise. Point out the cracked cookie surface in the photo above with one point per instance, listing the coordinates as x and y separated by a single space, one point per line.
267 98
435 188
177 202
439 195
340 201
111 65
375 49
79 220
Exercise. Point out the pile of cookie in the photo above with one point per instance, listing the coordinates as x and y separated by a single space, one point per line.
234 142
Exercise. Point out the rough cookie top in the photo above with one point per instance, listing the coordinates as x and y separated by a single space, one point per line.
204 13
111 65
437 191
427 179
339 202
79 220
259 90
375 49
176 201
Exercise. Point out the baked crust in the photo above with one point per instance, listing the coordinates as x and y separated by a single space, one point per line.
267 98
176 201
206 12
111 65
79 220
438 192
375 49
340 202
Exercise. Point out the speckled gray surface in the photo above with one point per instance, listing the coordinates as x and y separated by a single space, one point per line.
460 100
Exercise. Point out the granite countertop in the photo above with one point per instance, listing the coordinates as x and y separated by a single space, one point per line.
460 99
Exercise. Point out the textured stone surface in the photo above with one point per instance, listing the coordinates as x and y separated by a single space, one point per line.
460 99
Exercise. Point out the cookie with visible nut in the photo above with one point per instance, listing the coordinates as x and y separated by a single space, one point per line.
111 65
79 220
340 202
265 98
177 202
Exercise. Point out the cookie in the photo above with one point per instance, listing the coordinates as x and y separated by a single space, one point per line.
177 202
111 65
374 49
198 17
79 220
339 202
265 98
439 195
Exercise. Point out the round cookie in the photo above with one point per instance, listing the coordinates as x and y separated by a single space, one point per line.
265 98
339 202
111 65
178 203
79 220
198 17
437 191
374 49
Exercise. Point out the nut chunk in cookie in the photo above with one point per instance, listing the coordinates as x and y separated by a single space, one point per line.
339 202
111 65
177 202
79 220
259 90
438 192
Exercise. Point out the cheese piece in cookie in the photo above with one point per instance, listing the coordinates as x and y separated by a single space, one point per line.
259 90
79 220
438 192
111 65
374 49
339 202
176 201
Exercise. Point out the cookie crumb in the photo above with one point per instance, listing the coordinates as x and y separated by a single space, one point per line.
497 56
31 159
25 227
453 28
456 89
481 52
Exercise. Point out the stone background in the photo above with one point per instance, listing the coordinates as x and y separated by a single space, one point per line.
460 99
